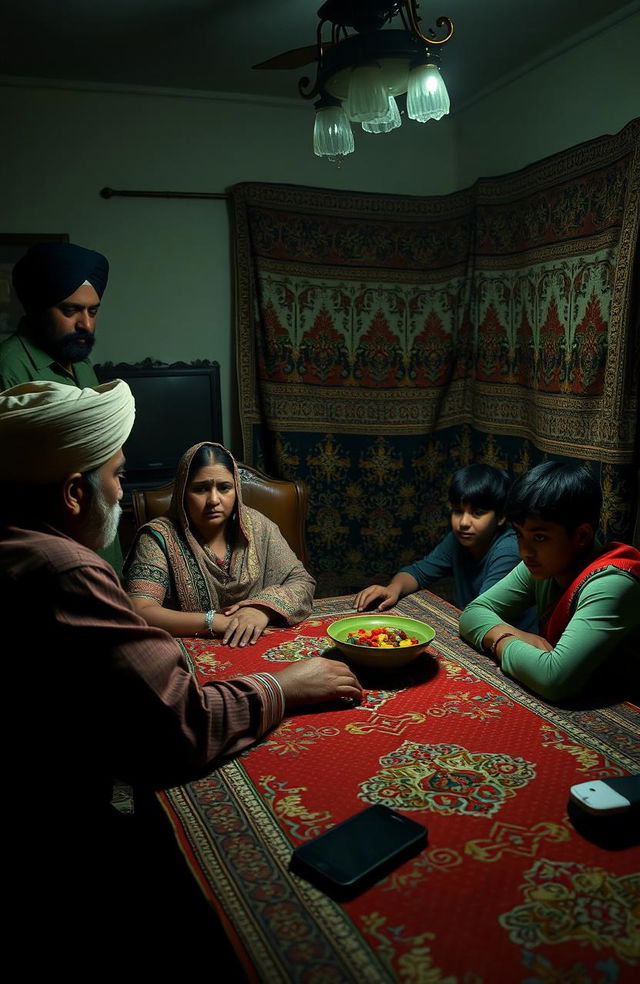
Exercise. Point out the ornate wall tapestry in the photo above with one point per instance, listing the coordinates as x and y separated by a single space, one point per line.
383 341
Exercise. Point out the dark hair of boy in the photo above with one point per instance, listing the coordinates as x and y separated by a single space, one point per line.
558 492
484 486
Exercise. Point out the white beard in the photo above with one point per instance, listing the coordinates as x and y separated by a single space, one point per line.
102 520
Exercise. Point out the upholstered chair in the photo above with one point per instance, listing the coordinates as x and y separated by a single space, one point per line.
283 501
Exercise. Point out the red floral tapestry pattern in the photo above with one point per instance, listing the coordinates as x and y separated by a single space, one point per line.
383 341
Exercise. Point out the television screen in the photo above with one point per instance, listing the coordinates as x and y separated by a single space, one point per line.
176 406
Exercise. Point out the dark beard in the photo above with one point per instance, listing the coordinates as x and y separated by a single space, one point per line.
71 348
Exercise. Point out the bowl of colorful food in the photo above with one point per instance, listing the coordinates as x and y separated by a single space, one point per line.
380 641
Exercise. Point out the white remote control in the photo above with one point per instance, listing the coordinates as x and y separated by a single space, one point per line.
606 796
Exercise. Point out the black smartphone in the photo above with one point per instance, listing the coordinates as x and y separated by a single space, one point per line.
356 853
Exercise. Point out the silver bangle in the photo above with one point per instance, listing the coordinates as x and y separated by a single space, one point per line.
208 617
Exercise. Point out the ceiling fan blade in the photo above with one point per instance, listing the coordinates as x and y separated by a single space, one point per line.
295 58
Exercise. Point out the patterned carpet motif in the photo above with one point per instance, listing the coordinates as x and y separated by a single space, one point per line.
506 889
383 341
446 779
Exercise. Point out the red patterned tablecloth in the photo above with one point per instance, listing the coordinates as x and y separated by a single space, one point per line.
506 890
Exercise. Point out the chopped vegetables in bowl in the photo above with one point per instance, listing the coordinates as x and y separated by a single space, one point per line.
380 641
384 637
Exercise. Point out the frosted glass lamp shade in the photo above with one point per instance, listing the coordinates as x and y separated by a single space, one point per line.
389 121
368 98
427 96
332 136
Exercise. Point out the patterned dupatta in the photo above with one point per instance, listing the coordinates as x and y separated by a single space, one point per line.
200 582
619 555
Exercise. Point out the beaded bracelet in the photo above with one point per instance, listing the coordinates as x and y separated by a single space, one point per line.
493 651
208 617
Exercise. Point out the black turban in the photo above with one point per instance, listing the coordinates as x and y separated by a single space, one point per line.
49 272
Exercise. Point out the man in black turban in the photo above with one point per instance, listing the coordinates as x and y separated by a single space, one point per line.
60 286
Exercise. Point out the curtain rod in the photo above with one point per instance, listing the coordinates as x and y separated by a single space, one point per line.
113 192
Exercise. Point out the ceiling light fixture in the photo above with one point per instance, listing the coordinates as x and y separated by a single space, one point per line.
360 74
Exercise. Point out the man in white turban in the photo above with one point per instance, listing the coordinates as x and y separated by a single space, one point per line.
48 430
99 694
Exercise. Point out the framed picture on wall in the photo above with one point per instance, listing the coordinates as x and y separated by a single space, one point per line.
12 247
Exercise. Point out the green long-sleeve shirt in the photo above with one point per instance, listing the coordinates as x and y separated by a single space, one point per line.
22 361
604 629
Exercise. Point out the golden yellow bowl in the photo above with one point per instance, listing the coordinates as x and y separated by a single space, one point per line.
372 657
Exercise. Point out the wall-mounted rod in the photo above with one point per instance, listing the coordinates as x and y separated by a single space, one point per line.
118 192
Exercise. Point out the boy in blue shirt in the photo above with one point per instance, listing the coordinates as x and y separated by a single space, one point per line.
479 551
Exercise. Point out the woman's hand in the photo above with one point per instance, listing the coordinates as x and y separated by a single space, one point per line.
245 624
389 597
318 680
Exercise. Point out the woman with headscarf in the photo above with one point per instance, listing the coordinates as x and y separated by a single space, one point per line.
213 565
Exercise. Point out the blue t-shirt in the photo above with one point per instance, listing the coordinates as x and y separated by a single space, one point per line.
470 576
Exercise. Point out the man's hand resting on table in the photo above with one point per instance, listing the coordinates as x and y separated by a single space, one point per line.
318 680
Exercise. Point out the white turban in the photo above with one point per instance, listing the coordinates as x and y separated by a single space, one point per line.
50 430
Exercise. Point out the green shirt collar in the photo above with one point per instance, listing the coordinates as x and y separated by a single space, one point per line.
42 359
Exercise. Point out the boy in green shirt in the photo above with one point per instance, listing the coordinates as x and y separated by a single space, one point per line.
587 595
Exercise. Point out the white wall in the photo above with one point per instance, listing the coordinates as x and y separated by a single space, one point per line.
169 293
588 90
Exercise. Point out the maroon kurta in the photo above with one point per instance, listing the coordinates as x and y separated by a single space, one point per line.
91 692
104 694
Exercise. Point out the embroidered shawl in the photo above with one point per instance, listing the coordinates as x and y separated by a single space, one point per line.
167 559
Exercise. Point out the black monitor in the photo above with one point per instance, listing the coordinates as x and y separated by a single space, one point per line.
176 406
